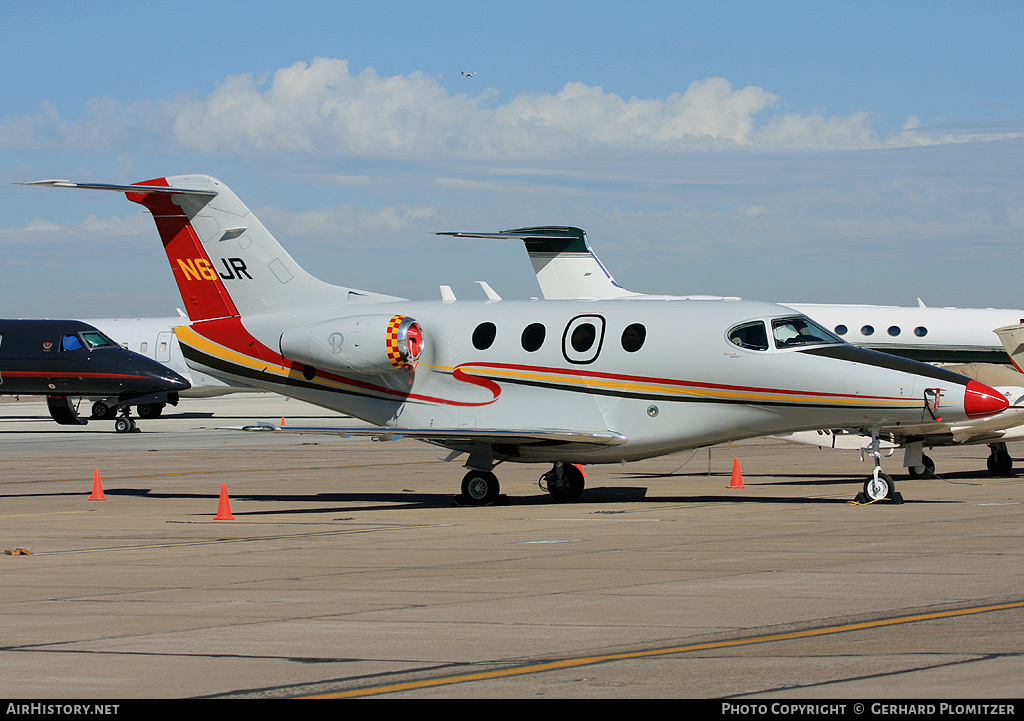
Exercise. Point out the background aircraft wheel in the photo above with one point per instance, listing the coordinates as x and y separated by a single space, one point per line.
150 410
1000 463
102 411
878 488
123 425
567 488
925 471
480 487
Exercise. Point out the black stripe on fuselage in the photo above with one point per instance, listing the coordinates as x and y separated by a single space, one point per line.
864 356
224 366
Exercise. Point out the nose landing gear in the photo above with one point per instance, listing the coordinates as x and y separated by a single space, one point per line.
878 486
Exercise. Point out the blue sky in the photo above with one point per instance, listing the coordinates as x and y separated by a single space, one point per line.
791 151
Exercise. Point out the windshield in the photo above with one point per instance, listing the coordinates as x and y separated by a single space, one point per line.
798 331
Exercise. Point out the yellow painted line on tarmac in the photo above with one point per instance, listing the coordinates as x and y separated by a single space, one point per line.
729 643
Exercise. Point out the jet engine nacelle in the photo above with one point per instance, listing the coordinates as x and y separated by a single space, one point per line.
365 344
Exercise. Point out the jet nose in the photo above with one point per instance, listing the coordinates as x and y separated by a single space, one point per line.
981 401
160 375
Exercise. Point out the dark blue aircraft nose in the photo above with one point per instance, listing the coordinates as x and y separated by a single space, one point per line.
164 377
144 374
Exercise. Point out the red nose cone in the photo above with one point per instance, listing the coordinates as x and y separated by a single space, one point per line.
981 401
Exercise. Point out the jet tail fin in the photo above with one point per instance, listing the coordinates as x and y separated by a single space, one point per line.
225 262
565 265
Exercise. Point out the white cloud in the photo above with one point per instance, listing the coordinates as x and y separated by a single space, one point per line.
322 110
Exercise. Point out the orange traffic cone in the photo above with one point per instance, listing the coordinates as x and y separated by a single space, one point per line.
282 421
737 475
224 509
97 487
580 469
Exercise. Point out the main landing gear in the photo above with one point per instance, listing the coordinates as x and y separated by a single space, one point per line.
1000 463
564 482
878 486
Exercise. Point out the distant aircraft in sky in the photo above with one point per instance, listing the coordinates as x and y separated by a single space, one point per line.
567 267
468 75
560 382
66 359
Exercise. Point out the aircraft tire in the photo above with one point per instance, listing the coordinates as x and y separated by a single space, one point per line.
123 425
150 410
480 487
569 487
102 411
877 490
1000 463
923 471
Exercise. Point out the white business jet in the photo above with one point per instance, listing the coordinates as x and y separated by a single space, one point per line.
553 382
566 267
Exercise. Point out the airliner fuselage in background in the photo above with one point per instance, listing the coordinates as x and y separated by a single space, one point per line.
559 382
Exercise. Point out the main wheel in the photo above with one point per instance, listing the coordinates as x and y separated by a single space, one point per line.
923 471
878 488
101 410
480 487
568 487
1000 463
150 410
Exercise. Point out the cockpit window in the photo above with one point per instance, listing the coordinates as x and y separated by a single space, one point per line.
95 339
751 336
791 332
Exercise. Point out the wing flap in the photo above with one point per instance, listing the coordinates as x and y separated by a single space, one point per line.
474 435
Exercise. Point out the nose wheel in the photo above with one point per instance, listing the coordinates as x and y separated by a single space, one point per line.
878 486
125 423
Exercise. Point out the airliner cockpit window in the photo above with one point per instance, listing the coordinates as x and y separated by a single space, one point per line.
95 339
751 336
791 332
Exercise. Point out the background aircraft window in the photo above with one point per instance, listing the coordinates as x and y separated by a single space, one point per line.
583 337
70 342
483 336
799 331
867 330
894 330
633 337
750 335
533 337
841 330
143 346
920 331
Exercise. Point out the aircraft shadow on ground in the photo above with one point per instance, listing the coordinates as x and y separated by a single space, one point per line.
333 502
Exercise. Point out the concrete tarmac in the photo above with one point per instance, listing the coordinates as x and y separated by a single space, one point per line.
347 570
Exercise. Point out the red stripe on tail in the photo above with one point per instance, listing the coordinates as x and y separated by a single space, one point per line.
202 290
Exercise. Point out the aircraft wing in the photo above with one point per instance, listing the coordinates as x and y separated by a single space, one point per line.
495 436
